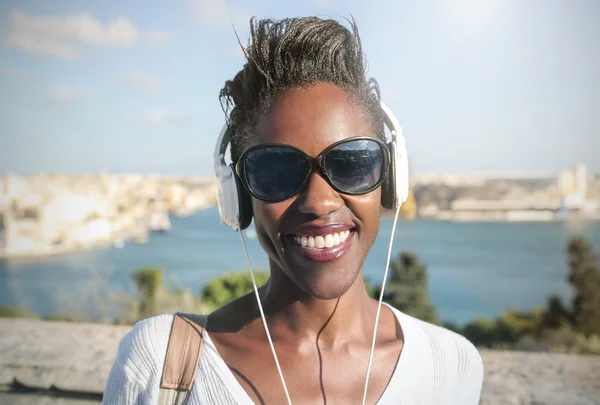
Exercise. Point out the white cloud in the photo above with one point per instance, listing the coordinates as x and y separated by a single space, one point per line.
163 117
140 82
212 12
70 92
215 13
322 2
59 36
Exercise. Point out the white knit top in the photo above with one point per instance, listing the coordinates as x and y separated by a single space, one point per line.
436 366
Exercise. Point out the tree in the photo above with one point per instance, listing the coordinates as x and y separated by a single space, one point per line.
407 289
556 315
228 287
148 282
481 332
585 279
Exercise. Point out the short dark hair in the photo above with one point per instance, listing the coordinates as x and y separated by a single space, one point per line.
296 52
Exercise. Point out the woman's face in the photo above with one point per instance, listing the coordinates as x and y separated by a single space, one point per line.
312 119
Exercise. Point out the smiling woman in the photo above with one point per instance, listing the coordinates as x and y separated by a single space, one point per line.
312 167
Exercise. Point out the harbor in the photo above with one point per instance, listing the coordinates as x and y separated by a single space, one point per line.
50 214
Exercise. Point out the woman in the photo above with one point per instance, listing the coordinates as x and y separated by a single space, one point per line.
304 89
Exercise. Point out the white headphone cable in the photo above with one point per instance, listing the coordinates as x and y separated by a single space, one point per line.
262 315
385 273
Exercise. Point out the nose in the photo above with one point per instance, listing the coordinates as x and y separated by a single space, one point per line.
318 197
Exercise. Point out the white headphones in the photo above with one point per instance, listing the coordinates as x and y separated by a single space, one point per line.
234 202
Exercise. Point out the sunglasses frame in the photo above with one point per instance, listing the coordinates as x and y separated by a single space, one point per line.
314 163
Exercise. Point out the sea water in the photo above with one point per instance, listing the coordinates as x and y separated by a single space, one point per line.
475 269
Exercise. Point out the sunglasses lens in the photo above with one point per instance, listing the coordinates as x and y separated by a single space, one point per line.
275 173
355 166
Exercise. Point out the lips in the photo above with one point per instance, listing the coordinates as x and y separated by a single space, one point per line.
322 244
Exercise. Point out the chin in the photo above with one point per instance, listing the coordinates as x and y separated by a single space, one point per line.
321 286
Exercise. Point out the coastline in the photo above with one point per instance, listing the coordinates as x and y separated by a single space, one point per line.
53 214
49 215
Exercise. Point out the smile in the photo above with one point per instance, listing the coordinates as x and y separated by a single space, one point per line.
322 245
322 241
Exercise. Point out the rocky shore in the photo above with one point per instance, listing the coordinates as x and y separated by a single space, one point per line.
51 363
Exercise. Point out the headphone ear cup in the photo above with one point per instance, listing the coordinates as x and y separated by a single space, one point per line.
388 187
227 197
244 201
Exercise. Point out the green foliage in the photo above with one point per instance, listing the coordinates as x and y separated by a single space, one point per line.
228 287
148 281
7 311
585 279
503 332
555 315
508 329
481 332
451 326
526 323
407 288
555 328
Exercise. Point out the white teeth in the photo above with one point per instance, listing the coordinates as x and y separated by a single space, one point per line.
319 242
322 241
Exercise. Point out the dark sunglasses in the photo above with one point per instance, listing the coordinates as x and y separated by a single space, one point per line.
276 172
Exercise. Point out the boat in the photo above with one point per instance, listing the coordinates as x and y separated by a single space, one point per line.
160 222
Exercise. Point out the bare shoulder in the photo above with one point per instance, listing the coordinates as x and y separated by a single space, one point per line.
233 316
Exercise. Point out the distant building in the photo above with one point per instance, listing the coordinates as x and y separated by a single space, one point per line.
573 187
49 214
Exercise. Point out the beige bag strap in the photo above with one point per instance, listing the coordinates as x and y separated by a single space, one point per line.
181 360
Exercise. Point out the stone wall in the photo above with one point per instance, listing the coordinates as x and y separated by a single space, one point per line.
51 363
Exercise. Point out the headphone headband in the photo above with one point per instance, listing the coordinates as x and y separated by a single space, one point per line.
392 123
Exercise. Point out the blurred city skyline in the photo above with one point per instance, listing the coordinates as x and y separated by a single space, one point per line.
478 86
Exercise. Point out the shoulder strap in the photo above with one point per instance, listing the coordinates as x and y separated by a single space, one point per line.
181 360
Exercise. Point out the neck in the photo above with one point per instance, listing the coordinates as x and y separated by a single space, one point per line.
292 313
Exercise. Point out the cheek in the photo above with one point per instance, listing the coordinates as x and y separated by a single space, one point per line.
267 218
369 204
268 215
367 209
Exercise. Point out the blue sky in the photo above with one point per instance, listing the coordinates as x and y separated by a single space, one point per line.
477 85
